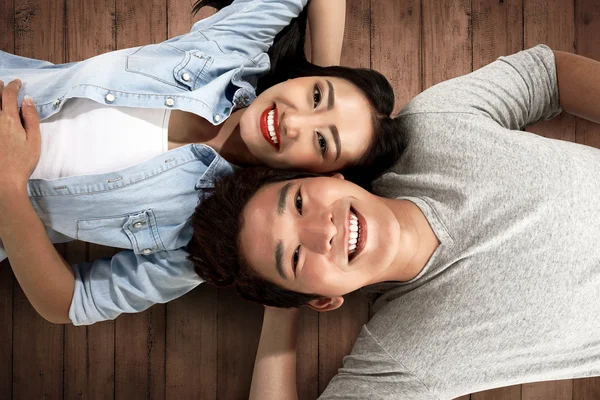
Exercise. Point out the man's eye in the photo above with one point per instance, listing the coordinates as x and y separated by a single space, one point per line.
322 144
316 96
298 202
295 258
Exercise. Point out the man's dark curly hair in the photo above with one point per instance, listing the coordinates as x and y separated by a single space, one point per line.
215 246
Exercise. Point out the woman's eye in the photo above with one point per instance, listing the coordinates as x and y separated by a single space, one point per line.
295 258
298 202
322 143
316 96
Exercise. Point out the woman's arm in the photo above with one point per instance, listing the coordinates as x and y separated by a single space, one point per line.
578 85
44 275
274 375
326 21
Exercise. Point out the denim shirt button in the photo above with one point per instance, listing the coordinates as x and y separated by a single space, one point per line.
147 251
109 98
186 77
217 117
169 102
138 225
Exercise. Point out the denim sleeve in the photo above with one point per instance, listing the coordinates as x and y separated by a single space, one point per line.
129 283
249 26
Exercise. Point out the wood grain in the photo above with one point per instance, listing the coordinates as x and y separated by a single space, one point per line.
497 30
239 324
447 44
192 345
505 393
396 47
7 44
551 22
559 390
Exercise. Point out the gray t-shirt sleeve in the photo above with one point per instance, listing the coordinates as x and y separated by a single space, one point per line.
370 372
514 91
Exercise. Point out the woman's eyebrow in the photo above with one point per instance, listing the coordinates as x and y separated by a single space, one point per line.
330 96
334 130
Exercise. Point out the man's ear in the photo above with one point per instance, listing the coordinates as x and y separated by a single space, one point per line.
338 175
326 303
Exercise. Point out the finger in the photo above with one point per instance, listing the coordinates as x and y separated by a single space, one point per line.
9 96
31 119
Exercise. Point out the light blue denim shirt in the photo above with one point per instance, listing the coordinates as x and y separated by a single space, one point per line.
146 208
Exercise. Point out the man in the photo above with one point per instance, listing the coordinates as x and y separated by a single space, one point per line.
481 253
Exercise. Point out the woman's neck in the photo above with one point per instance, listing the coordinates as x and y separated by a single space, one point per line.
225 139
418 242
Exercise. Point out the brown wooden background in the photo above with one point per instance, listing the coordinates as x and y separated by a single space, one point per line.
202 346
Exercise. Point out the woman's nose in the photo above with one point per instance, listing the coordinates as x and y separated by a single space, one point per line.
294 122
317 232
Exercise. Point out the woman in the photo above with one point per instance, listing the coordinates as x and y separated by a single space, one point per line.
149 119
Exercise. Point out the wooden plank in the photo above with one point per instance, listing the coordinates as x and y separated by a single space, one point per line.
6 329
140 338
140 355
192 345
555 390
238 329
307 365
587 24
7 43
338 329
505 393
37 352
180 18
588 45
140 23
447 47
37 344
396 46
586 389
497 30
551 22
89 350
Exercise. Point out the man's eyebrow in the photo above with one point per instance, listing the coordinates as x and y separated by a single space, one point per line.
279 259
330 96
283 198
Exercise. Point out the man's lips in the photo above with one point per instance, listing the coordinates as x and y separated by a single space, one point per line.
264 126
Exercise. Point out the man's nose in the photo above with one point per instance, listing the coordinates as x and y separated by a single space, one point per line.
317 232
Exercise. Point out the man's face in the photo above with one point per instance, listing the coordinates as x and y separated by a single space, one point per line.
323 235
318 124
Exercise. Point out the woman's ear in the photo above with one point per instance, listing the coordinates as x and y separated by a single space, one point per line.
338 175
326 303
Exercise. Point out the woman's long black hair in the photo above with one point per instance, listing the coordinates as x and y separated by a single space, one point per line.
288 61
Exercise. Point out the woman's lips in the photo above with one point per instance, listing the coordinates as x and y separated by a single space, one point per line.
264 126
362 224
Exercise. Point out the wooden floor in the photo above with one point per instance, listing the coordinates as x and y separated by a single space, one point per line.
202 345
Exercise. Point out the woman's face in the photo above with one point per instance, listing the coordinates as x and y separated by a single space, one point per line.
317 124
319 235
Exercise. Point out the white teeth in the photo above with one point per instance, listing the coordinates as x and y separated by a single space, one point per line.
354 233
271 125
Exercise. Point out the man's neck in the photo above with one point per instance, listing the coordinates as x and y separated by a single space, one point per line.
418 242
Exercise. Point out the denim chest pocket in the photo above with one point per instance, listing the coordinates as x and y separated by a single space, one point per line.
137 231
165 63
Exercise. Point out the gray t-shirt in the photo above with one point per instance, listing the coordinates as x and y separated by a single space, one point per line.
512 294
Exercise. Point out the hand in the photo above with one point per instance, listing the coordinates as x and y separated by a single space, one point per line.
20 141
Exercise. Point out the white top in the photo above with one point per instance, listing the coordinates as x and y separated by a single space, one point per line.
91 138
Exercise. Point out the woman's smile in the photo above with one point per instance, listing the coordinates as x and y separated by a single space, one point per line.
269 126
